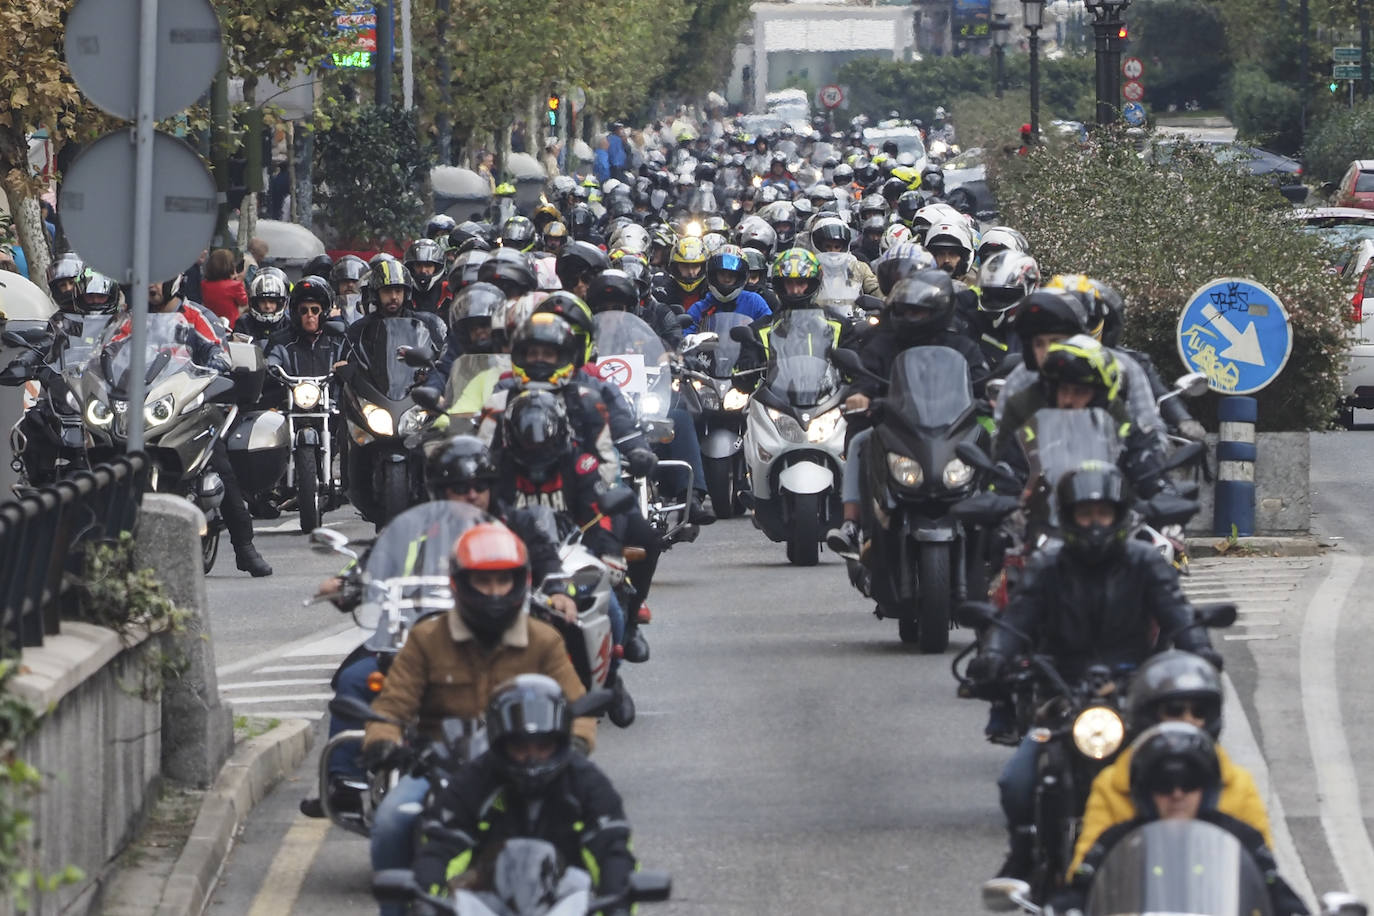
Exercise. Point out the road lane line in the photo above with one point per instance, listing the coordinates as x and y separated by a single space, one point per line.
292 682
272 655
278 698
281 886
1338 789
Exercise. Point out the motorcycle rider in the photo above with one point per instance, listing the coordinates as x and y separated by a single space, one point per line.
425 261
1173 686
470 316
687 271
266 306
448 667
918 312
579 263
1005 279
64 281
727 273
531 783
347 279
165 298
392 295
1098 597
1175 774
951 244
309 345
758 277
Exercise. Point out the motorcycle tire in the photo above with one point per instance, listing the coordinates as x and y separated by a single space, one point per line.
394 492
935 598
720 484
209 550
976 572
804 544
308 497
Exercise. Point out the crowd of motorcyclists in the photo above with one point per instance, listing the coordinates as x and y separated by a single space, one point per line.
799 326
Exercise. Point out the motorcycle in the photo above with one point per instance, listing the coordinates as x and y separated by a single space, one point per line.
471 382
840 284
403 579
382 476
1079 727
187 407
311 426
794 437
633 356
719 408
527 879
920 561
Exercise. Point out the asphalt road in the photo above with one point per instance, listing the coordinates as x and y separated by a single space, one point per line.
791 755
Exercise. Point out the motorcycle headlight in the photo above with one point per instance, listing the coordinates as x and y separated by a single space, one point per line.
957 474
378 420
412 420
651 405
1098 732
823 426
906 471
306 395
787 425
98 413
735 400
158 412
710 398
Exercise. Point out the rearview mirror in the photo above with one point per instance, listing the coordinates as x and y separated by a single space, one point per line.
415 357
1184 455
351 707
685 321
327 540
1005 895
847 360
1193 385
1339 903
653 887
1163 509
984 509
15 374
1215 616
741 333
429 398
592 703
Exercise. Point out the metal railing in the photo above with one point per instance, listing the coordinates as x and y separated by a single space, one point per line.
40 536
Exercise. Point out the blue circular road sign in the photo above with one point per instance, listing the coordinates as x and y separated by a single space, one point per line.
1237 333
1133 113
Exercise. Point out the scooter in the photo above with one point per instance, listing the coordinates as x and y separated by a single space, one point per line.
720 408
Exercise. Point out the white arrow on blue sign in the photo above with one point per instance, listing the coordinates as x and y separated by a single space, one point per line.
1237 333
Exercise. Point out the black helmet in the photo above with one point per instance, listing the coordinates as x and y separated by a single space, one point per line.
581 220
321 265
892 190
536 431
530 708
1047 312
579 317
908 204
1115 321
458 463
463 271
1170 678
758 270
613 290
905 259
311 289
580 260
489 547
638 270
920 305
510 270
348 267
464 231
519 233
475 307
1093 481
421 255
831 235
1081 360
1170 755
101 295
439 226
385 273
547 329
933 179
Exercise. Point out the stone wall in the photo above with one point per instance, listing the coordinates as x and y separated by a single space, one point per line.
1283 490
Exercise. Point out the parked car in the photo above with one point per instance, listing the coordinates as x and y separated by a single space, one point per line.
1350 233
1356 187
1285 173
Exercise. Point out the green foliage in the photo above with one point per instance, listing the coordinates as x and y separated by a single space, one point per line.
699 57
915 88
370 166
1159 233
1342 135
1185 43
1265 112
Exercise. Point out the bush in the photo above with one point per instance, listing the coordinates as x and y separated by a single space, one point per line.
1342 135
1265 112
1158 234
371 166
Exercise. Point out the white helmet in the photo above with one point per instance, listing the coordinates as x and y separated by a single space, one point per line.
895 234
268 285
1001 238
931 214
1005 279
952 235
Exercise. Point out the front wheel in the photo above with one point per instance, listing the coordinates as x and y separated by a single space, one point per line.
209 549
394 492
308 487
804 543
720 484
933 599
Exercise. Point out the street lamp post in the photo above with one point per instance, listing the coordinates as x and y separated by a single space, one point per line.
1001 33
1107 48
1033 12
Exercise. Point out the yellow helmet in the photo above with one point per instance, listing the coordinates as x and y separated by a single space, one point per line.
688 263
908 174
1088 293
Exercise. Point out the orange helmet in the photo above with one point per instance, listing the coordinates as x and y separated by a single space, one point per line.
489 547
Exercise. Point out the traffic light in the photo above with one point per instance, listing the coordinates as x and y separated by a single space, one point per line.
553 110
1333 86
1121 33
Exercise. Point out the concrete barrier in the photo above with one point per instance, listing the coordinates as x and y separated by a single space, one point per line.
1283 489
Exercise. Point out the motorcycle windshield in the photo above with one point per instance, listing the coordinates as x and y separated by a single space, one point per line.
798 371
166 350
1057 441
840 283
1179 867
406 573
632 355
377 354
83 335
930 387
472 380
726 353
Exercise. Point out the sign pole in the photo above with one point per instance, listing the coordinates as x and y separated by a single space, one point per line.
143 218
1236 454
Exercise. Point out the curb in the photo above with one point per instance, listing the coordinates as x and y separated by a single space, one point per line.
1255 546
254 770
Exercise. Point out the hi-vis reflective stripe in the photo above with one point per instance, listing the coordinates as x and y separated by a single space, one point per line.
457 865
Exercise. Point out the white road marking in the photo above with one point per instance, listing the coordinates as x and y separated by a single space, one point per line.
294 682
1338 789
248 701
271 655
286 669
336 645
